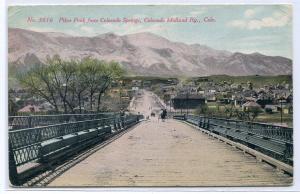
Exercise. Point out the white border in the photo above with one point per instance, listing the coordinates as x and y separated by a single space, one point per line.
3 91
141 2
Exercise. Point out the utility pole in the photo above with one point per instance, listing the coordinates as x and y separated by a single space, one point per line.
281 98
181 105
170 103
120 92
187 103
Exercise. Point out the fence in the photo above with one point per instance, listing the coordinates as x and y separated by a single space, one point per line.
30 149
21 122
274 141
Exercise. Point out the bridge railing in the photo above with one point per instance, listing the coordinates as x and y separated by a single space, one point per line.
21 122
34 148
279 133
275 141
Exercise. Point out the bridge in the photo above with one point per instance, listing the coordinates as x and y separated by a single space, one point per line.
112 150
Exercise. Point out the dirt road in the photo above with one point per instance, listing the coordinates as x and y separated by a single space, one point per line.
145 103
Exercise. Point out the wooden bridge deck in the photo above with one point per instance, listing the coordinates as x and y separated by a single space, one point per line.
170 153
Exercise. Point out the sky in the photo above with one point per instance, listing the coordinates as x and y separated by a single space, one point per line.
266 29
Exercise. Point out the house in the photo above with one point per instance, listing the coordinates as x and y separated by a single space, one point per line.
135 88
225 100
264 99
238 100
248 93
30 108
212 91
136 83
211 98
46 106
289 98
236 86
187 101
201 92
270 108
146 83
287 109
193 90
172 81
251 105
278 93
249 99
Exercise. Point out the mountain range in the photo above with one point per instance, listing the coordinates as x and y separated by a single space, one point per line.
141 54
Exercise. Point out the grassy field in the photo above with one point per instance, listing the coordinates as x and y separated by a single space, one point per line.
263 117
275 118
154 80
257 80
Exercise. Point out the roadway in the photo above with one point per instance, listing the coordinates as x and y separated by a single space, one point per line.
170 153
145 103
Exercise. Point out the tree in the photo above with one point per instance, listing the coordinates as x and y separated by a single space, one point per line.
12 106
229 111
107 74
63 74
65 83
241 115
91 69
39 81
98 76
79 87
253 112
202 109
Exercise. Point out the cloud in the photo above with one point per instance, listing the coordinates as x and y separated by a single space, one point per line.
87 29
198 12
156 28
139 16
72 32
238 23
259 41
48 29
42 29
277 19
249 13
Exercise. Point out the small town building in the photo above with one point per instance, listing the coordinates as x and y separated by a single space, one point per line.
250 106
288 109
270 108
211 98
30 108
187 101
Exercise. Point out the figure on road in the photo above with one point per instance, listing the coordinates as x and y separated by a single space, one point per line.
122 114
163 114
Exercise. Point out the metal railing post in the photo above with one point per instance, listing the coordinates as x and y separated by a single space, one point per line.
29 121
13 173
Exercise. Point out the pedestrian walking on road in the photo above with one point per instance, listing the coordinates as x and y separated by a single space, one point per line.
163 114
122 115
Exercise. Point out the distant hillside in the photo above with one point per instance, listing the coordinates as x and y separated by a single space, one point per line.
143 54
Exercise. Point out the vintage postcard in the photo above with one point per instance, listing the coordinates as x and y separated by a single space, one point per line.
150 95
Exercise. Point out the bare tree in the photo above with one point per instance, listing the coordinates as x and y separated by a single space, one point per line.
65 83
253 113
229 111
39 82
63 73
107 74
90 69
